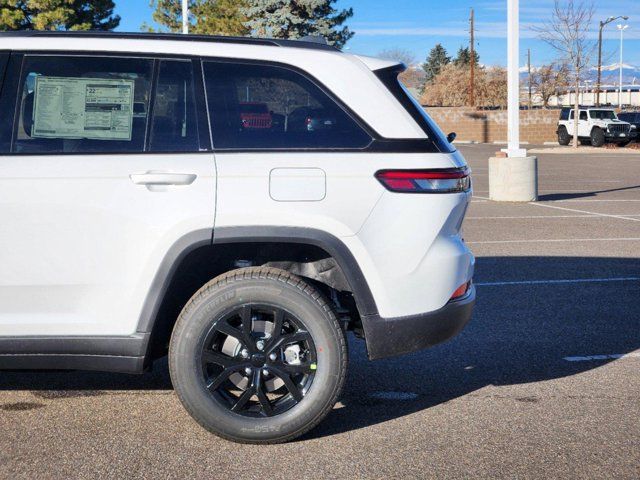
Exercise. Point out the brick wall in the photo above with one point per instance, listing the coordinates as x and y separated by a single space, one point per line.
536 126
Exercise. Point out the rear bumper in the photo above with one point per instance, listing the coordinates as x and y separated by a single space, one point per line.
390 337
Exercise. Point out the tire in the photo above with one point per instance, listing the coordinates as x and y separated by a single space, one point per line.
597 137
213 321
563 136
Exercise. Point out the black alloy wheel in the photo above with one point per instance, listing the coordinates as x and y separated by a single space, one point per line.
258 360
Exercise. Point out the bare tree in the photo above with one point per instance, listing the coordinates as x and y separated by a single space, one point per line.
399 55
549 80
414 76
450 88
568 33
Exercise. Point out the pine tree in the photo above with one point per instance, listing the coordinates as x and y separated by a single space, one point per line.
58 15
220 17
437 59
463 58
298 18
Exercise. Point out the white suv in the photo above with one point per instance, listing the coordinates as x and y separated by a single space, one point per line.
595 127
238 204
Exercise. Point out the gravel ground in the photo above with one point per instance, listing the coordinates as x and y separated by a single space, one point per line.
557 280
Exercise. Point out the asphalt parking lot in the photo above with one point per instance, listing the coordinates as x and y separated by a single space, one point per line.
545 381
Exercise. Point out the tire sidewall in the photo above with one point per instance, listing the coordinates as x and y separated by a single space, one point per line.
563 136
597 137
186 367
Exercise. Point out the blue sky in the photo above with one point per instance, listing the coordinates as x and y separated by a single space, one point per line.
417 25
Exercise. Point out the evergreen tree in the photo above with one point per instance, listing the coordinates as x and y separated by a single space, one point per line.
298 18
219 17
57 15
463 58
437 59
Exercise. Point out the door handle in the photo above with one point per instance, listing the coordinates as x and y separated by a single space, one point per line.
160 179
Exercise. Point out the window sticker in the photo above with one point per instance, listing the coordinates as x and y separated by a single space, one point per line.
93 108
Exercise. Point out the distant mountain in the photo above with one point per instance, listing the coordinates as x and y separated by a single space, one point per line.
610 74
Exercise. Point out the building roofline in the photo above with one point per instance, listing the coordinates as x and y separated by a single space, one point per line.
310 45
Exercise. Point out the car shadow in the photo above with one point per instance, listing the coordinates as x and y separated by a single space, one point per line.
569 196
520 333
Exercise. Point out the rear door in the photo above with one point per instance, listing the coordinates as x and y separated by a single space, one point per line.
107 164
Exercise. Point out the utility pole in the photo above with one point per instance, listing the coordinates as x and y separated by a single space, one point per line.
472 64
185 16
529 69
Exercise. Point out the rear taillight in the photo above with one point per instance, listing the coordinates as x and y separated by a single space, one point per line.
449 180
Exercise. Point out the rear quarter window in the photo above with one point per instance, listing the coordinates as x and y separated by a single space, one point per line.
255 106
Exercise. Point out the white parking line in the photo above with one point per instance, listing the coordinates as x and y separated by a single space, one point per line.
532 216
598 200
586 211
571 280
578 211
611 356
552 240
541 216
547 190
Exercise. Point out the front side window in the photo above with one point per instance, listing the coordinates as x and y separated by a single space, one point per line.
74 104
267 107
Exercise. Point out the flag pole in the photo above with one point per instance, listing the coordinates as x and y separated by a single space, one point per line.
185 16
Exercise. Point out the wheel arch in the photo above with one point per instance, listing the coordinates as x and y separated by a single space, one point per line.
214 247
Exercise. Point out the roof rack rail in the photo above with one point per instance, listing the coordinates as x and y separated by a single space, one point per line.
306 42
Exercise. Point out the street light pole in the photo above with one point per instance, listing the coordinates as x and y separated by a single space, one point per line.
185 16
622 28
602 25
513 52
513 176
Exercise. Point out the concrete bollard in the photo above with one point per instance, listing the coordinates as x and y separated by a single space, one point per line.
513 179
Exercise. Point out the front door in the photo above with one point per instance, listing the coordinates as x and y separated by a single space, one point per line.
583 124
